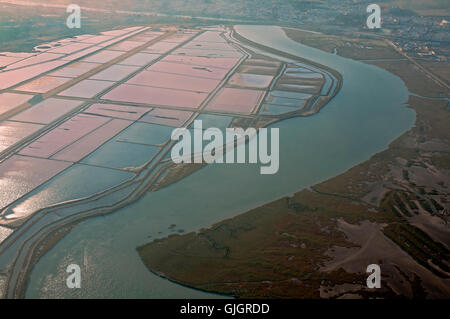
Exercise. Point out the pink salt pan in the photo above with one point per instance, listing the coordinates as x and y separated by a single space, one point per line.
115 73
114 32
210 36
152 33
5 60
160 47
21 174
126 45
43 57
235 100
63 135
191 70
81 53
155 96
115 40
103 56
89 143
75 69
174 81
143 38
140 59
13 132
9 101
98 39
251 80
209 53
118 111
209 46
224 63
87 88
47 111
70 48
167 117
11 78
179 37
43 84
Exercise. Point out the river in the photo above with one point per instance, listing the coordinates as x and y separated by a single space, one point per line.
366 115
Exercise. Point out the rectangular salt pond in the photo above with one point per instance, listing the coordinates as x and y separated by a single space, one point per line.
152 33
191 70
208 53
254 69
251 80
140 59
179 37
89 143
212 120
297 70
10 101
143 133
13 132
224 63
167 117
70 48
21 174
155 96
114 33
160 47
235 100
98 39
174 81
75 69
75 182
284 101
63 135
43 57
126 46
103 56
118 111
290 94
43 84
208 46
87 88
210 36
11 78
5 60
81 53
115 154
262 62
143 38
115 73
47 111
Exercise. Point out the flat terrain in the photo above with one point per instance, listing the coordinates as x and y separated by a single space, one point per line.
105 105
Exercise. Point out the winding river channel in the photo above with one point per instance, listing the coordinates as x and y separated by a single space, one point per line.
366 115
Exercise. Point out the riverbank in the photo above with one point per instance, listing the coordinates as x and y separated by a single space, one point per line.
315 244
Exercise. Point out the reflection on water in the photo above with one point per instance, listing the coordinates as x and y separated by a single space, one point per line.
70 184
